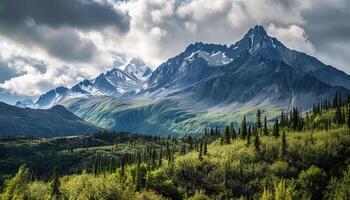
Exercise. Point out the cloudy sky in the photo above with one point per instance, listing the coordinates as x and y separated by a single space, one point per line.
45 44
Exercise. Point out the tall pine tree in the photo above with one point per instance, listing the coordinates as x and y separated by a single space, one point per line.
266 132
244 128
227 135
55 185
257 143
283 149
276 131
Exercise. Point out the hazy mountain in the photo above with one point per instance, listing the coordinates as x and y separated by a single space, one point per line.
24 103
56 121
115 82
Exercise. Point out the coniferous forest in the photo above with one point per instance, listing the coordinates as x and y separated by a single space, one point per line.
298 155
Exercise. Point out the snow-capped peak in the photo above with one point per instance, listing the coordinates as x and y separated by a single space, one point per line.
138 68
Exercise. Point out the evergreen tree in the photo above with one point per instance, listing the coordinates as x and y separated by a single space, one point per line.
338 116
283 149
283 120
244 128
335 100
226 177
200 154
258 124
276 131
227 135
266 132
257 143
160 156
295 119
205 150
212 134
190 140
122 166
348 118
154 158
249 133
55 185
232 131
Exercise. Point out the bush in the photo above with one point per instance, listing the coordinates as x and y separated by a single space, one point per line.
39 190
312 182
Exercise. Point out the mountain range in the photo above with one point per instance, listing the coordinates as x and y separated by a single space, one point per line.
205 85
56 121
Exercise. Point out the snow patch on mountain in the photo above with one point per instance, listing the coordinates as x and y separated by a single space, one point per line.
214 59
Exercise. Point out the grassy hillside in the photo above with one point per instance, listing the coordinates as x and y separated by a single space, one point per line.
300 158
163 117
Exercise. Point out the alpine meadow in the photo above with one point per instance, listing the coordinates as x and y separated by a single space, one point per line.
174 100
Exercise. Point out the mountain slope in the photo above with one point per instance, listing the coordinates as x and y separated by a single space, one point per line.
208 85
56 121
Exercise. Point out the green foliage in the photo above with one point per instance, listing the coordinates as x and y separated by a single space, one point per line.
148 195
39 190
86 186
306 162
312 182
199 195
17 187
339 189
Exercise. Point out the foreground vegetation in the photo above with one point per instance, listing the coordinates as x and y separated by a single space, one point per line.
298 157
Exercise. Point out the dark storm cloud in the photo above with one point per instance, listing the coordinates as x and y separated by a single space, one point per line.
331 24
328 29
83 14
53 25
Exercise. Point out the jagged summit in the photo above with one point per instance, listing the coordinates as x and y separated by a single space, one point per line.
255 39
257 30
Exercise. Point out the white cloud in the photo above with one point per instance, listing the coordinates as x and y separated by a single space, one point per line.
292 36
160 29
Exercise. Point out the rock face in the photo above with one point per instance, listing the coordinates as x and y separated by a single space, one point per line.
56 121
205 85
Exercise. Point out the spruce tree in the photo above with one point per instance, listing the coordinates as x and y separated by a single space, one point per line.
349 118
257 143
266 132
95 168
258 124
227 135
233 132
122 167
211 132
283 122
160 156
283 149
249 133
205 150
338 116
244 128
276 131
200 154
226 177
55 185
